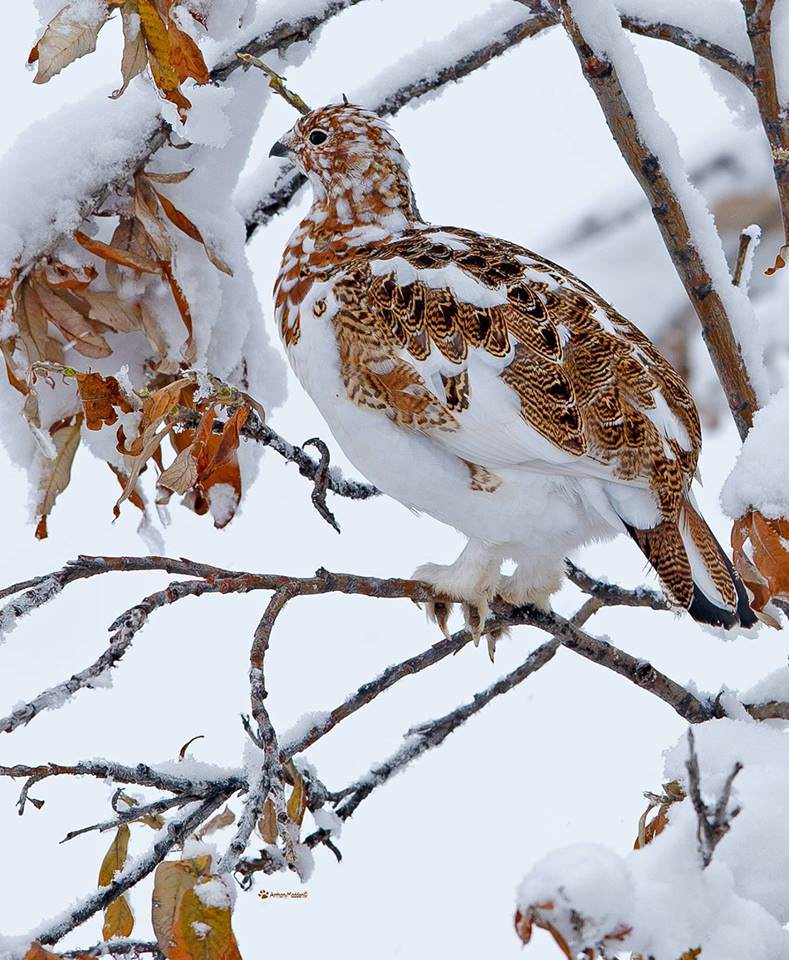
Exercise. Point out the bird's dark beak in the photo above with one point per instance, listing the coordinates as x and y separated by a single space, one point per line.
279 150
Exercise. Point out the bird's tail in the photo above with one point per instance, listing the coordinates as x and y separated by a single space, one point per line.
694 569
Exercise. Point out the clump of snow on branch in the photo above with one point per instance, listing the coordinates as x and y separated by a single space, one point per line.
659 901
60 162
760 478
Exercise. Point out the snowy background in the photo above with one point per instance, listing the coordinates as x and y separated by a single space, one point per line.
432 860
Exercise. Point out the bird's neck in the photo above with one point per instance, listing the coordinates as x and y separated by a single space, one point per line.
351 211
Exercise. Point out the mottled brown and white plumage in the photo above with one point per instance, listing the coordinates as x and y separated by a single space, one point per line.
478 382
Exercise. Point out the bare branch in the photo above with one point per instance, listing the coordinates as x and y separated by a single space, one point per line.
135 813
640 672
431 734
324 476
280 35
116 947
611 595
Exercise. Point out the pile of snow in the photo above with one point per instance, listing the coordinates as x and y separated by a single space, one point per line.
659 901
760 478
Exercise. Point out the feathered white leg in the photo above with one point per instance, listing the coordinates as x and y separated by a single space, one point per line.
471 580
531 583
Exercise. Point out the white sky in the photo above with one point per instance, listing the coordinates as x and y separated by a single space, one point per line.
431 861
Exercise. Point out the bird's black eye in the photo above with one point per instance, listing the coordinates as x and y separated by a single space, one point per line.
317 137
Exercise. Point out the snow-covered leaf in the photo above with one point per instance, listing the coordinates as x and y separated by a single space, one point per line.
65 40
118 918
171 880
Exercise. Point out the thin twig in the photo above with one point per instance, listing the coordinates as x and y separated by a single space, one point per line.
276 82
749 241
713 822
116 947
774 117
424 736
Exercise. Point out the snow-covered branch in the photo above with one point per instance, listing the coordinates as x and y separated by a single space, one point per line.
196 790
773 113
616 76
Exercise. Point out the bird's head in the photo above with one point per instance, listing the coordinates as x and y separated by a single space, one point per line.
354 163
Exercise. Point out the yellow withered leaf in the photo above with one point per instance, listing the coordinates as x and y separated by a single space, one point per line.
202 931
171 880
118 919
115 857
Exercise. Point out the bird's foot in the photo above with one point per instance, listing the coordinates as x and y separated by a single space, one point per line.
453 585
522 590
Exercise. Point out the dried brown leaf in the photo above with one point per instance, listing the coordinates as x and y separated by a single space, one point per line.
297 802
65 40
177 177
217 822
124 257
267 824
56 474
183 223
766 571
61 311
107 309
100 397
118 919
135 53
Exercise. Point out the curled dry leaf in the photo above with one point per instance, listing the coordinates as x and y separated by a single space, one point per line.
223 819
171 880
56 473
101 398
779 264
647 831
538 915
189 742
525 922
762 560
135 54
174 215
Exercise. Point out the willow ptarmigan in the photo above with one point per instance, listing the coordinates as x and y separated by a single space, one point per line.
475 381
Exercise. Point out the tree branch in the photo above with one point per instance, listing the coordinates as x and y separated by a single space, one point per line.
775 119
176 831
688 260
